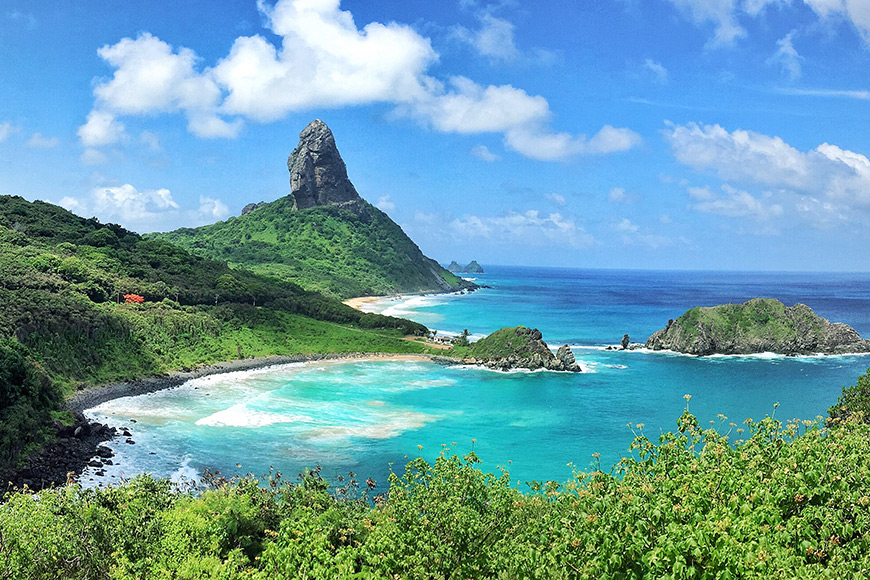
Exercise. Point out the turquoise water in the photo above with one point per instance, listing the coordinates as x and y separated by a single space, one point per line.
363 417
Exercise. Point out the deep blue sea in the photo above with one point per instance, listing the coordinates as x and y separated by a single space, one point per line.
366 416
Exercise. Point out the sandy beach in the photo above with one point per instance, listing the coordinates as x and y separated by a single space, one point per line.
360 301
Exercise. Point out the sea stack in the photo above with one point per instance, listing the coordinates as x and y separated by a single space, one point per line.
318 175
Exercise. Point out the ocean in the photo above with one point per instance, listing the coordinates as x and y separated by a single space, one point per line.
372 416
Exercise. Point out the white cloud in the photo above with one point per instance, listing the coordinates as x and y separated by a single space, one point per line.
724 15
37 141
631 235
528 228
93 157
856 11
734 203
616 195
6 129
839 179
547 146
152 78
494 39
325 60
483 153
660 72
151 140
385 204
721 13
211 209
101 128
556 198
626 226
787 57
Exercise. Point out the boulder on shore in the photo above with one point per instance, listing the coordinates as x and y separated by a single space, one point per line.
759 325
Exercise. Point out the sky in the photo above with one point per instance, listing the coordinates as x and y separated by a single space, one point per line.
653 134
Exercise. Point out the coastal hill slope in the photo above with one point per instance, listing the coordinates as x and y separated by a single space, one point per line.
84 303
323 236
759 325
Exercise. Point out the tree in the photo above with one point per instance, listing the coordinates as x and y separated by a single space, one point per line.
855 401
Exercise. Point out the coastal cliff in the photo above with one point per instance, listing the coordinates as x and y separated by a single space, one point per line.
518 347
759 325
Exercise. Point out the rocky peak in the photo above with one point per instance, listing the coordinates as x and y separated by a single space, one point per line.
318 175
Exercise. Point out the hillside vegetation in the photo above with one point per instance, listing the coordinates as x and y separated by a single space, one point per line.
773 500
758 325
65 320
328 249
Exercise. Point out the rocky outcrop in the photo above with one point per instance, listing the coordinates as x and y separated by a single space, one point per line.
454 267
251 207
759 325
520 348
63 459
318 175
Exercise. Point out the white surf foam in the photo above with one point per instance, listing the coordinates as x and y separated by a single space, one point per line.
240 415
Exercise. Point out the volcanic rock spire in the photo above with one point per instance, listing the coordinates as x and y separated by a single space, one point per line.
318 175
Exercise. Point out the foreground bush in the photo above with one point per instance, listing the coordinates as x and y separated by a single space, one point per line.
774 501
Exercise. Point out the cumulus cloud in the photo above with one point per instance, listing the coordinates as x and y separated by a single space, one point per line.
838 178
548 146
38 141
211 209
483 153
720 13
856 11
324 59
733 203
787 57
101 128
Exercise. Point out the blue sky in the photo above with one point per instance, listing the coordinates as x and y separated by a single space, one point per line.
666 134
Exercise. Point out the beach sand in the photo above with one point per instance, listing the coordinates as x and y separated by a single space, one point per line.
360 301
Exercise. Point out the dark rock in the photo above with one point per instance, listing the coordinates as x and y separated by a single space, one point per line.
625 341
251 207
318 175
129 441
104 451
95 463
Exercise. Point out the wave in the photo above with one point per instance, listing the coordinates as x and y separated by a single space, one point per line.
240 415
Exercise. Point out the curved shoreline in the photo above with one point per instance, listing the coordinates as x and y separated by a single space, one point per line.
93 396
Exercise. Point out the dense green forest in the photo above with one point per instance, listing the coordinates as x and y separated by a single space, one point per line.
89 303
329 249
767 499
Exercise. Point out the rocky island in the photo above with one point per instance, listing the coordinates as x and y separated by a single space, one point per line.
518 347
759 325
472 268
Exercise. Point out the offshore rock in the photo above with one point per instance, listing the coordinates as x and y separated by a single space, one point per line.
318 175
520 347
759 325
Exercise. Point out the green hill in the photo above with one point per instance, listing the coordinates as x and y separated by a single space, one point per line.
88 303
322 236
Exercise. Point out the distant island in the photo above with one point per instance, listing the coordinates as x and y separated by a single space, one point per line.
759 325
472 268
